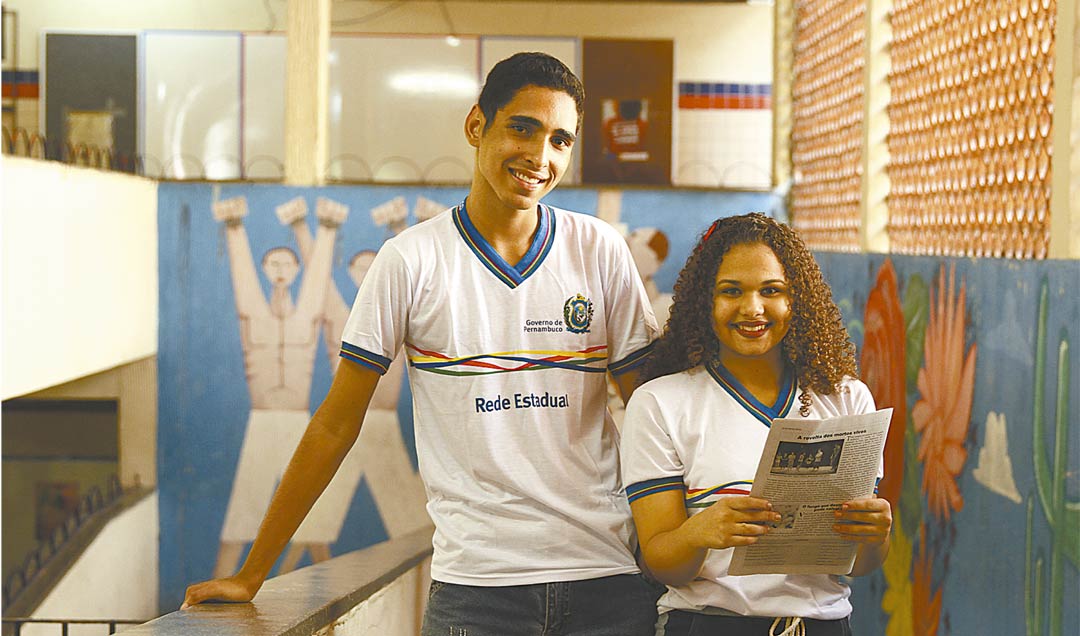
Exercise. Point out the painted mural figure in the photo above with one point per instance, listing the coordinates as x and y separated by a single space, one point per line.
279 339
649 248
512 313
380 455
694 431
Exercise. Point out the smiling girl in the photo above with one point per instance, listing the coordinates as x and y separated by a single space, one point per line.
753 335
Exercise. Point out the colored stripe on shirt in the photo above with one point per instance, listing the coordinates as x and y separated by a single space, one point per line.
695 497
735 389
632 361
511 275
588 360
373 361
653 486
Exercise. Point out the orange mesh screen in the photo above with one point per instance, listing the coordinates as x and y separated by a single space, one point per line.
970 116
827 122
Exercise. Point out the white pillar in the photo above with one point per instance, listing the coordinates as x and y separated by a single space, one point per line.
873 232
1065 164
306 88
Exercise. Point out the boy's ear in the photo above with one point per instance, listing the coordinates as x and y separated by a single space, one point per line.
474 126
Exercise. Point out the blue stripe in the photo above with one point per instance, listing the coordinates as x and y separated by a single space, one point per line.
653 486
512 276
632 361
765 414
541 245
373 361
580 365
20 77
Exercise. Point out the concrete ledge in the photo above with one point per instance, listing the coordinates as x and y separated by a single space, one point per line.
302 602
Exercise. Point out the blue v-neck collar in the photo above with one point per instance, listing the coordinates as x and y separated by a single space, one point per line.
511 275
766 414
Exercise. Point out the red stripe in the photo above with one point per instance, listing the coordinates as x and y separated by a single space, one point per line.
26 91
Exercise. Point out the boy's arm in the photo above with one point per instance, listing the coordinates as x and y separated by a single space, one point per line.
329 436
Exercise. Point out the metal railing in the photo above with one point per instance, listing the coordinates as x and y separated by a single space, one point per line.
17 623
92 502
20 142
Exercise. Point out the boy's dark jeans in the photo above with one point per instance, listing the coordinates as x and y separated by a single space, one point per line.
623 605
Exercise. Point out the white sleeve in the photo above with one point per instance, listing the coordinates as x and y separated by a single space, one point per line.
631 325
649 459
376 327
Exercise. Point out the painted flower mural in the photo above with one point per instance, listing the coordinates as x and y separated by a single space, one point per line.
897 599
883 369
926 601
946 384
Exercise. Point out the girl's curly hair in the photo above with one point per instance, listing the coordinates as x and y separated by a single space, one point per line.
816 346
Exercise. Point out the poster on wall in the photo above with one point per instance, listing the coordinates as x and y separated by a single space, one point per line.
92 108
626 135
626 129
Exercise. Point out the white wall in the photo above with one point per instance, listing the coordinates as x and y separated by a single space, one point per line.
394 610
79 259
116 577
713 41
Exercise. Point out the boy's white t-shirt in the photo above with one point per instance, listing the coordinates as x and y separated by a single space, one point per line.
507 369
701 432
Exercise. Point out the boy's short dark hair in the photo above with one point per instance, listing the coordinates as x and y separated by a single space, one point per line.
528 69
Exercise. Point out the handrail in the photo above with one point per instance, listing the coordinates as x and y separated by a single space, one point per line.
16 624
303 601
38 570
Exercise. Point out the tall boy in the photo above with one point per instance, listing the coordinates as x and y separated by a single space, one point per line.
511 312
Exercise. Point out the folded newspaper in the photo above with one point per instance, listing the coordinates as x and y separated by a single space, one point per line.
809 468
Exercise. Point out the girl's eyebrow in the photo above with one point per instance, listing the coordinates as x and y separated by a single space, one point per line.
771 281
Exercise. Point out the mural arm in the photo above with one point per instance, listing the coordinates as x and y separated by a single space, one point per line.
245 279
329 436
292 214
316 280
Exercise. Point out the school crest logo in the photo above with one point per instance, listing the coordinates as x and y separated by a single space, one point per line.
577 314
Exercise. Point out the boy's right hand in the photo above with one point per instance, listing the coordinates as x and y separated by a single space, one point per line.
227 590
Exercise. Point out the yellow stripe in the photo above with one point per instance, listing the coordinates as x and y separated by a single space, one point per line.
596 355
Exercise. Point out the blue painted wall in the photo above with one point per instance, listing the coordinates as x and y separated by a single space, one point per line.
966 551
976 552
203 398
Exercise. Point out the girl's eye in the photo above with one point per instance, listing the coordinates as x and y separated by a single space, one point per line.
729 291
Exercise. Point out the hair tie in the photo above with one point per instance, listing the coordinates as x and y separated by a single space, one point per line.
708 233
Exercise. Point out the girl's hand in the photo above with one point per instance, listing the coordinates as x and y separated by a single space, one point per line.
730 522
864 520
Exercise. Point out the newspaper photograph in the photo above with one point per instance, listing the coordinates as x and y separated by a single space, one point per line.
807 470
